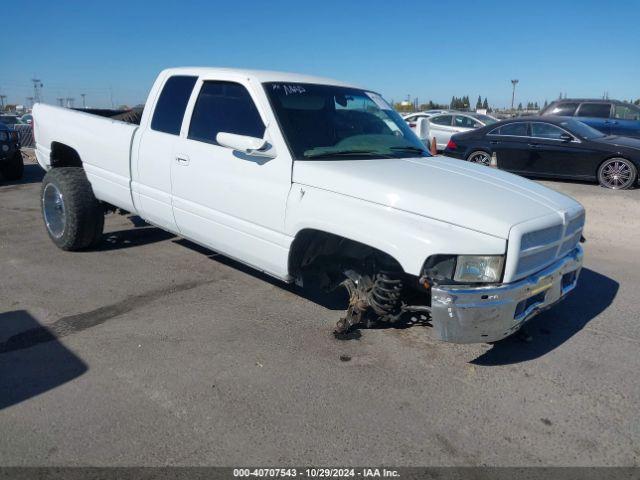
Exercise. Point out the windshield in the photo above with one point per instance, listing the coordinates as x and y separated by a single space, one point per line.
582 129
486 119
331 122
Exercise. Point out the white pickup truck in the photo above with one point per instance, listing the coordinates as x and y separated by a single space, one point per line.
314 180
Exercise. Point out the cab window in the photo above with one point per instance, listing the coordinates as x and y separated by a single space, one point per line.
546 130
465 122
566 109
627 112
224 107
515 129
598 110
442 120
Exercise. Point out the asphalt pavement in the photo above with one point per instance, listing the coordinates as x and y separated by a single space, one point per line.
153 351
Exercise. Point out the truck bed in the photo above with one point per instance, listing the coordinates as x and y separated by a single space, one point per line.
103 145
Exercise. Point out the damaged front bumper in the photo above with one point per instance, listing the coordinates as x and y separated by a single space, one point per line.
491 313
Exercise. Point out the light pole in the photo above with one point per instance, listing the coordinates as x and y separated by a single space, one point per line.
84 104
513 93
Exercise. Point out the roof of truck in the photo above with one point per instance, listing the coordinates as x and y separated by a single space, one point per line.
259 75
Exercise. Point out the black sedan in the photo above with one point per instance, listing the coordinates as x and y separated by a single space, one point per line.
552 147
11 163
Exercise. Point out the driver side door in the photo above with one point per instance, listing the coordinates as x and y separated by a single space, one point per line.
230 201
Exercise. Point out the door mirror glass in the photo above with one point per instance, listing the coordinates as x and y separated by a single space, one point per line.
244 144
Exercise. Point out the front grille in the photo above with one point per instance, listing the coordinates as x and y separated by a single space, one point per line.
540 237
540 248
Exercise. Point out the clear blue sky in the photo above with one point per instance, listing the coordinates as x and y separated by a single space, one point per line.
429 49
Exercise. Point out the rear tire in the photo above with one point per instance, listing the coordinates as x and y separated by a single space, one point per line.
617 174
13 169
72 215
480 157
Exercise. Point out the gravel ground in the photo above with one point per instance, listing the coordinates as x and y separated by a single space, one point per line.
158 352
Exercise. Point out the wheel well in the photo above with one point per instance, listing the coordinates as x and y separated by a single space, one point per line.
334 251
64 156
611 157
476 150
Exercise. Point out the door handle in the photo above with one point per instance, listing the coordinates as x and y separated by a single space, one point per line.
611 122
494 142
534 145
182 160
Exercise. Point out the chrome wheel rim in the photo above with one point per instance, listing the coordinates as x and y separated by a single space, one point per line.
481 158
616 174
54 212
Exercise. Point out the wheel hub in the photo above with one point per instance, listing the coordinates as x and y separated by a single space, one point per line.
53 210
616 174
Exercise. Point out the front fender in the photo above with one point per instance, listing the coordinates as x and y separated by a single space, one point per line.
409 238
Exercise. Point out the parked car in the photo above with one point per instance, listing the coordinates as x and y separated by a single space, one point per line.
303 178
611 117
27 119
443 125
554 147
10 119
11 162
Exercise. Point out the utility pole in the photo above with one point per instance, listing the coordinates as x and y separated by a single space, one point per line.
37 85
2 97
70 101
513 93
60 101
84 103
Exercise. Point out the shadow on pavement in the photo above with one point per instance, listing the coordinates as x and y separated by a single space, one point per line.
337 300
132 238
547 331
31 366
32 174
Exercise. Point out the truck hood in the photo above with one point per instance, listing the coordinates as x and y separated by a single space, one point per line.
442 188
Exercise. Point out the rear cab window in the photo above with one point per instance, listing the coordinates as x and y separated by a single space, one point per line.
172 103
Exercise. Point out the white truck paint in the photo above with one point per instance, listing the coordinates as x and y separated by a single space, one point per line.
253 205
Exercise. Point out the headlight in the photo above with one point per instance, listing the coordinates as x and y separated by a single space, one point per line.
479 268
3 136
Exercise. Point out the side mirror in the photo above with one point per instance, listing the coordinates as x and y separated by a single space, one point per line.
245 144
565 137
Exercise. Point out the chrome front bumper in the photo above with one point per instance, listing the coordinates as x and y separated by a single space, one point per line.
487 314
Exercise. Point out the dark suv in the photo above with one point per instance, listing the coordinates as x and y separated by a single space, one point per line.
611 117
11 163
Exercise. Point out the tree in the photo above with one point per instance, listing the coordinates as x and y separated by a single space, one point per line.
535 105
637 102
520 106
545 103
485 104
479 103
